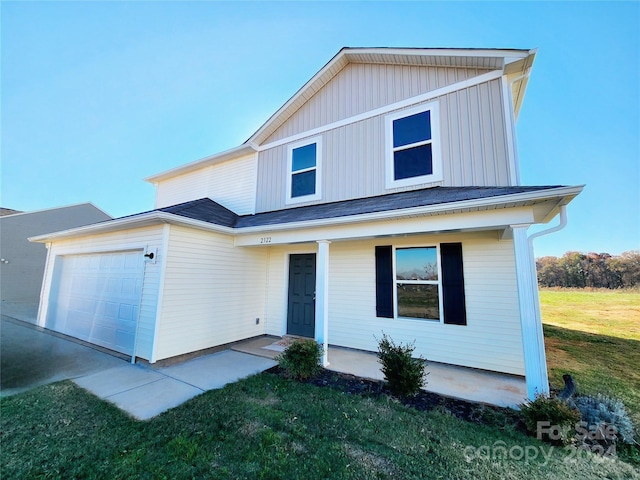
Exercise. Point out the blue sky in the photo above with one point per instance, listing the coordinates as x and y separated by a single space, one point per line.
97 96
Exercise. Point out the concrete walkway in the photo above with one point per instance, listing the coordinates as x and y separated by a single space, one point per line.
31 357
145 392
449 380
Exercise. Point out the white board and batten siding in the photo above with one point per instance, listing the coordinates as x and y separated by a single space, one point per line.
232 184
213 292
473 147
491 339
115 255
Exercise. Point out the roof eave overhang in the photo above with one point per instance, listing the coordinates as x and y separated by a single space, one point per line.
237 152
127 223
559 196
550 199
518 76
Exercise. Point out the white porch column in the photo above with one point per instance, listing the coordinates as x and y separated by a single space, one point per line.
322 299
535 360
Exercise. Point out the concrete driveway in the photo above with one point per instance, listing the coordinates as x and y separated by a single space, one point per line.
31 356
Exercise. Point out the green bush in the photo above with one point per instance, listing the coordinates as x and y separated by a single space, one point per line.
550 419
404 374
601 412
301 359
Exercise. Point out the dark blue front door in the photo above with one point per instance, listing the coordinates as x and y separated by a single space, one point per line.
301 309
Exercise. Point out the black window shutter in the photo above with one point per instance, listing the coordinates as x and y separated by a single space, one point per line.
453 284
384 282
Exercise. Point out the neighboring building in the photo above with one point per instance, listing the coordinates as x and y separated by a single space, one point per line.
8 211
383 196
22 262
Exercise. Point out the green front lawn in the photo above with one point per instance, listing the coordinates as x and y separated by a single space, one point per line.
269 427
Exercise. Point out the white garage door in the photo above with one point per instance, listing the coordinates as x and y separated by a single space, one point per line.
96 298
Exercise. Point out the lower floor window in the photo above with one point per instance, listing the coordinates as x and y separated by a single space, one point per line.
418 301
421 282
417 282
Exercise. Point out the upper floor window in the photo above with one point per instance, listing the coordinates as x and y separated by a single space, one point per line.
413 149
303 167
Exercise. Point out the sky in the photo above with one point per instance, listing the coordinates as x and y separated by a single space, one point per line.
97 96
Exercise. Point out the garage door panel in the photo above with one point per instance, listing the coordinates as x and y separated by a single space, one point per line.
97 298
107 309
78 323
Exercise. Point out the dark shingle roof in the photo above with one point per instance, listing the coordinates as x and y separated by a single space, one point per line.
204 209
207 210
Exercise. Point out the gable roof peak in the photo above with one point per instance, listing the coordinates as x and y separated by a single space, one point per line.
516 60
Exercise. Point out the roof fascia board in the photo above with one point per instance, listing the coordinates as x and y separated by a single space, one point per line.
236 152
522 80
566 193
424 97
330 64
442 52
460 221
138 221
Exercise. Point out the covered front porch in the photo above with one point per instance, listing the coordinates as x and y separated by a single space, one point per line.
464 383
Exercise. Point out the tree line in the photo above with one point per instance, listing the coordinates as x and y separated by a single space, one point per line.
596 270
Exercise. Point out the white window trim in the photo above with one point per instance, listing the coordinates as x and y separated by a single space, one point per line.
428 282
318 168
436 176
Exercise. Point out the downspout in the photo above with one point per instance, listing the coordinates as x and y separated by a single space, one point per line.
560 226
542 357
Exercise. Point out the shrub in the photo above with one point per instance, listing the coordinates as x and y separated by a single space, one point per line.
601 412
550 419
301 359
404 374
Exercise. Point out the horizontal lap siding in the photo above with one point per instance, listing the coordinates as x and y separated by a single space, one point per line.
213 292
473 145
151 238
362 87
491 339
231 184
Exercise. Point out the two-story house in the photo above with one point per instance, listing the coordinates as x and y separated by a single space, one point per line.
384 196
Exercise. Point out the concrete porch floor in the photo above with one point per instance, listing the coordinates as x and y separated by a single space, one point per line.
449 380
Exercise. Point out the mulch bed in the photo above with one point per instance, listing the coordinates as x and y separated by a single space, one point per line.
423 401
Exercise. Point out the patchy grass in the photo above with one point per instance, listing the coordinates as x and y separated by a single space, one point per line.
594 335
269 427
